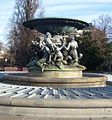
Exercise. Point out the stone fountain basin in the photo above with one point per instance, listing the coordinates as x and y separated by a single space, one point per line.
33 109
25 108
35 79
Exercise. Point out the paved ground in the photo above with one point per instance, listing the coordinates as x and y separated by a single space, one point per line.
7 90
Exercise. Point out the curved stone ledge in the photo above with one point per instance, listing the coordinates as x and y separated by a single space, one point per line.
59 103
55 80
87 80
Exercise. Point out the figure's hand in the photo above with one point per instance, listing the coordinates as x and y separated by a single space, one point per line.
63 45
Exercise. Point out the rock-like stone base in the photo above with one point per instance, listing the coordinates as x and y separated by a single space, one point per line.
54 72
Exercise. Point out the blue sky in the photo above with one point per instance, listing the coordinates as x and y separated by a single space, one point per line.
6 9
86 10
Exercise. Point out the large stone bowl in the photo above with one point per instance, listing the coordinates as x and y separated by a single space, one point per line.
55 25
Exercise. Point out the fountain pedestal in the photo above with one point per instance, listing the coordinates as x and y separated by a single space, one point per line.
57 73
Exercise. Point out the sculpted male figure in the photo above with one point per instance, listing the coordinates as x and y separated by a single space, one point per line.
48 41
49 44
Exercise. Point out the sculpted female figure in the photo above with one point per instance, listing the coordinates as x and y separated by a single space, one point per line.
71 47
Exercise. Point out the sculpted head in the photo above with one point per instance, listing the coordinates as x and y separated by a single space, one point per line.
48 35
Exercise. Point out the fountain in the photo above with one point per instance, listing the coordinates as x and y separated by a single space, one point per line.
55 86
56 61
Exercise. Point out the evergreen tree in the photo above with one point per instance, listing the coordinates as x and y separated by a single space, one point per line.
94 49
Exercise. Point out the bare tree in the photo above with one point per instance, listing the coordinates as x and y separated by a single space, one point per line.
1 46
19 36
103 35
99 38
104 23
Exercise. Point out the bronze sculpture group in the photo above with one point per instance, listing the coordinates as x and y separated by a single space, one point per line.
50 54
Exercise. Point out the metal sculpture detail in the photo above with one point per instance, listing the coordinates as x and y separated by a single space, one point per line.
50 54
